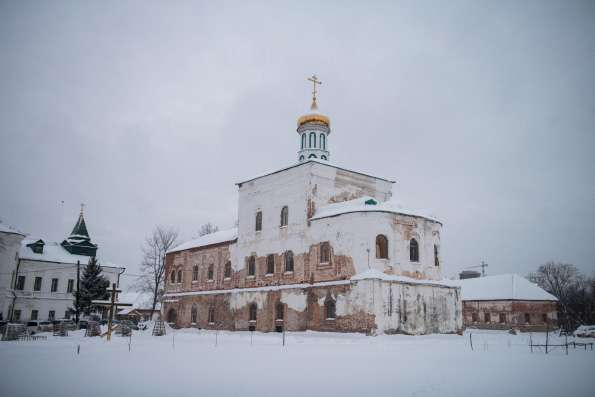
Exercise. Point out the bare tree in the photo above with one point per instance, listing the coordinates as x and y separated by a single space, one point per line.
555 278
207 228
153 264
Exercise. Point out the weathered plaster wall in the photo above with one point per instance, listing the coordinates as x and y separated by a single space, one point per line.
369 306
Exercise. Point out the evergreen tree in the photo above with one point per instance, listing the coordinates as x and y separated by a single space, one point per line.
93 286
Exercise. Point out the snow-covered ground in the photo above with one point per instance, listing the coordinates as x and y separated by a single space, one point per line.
201 363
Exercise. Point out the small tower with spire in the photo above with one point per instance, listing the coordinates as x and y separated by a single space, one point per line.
79 242
314 129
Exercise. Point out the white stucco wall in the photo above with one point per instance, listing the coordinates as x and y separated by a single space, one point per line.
11 243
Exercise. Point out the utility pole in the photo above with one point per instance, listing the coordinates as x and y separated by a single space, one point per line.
78 284
483 268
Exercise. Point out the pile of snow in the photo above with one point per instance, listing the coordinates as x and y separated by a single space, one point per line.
209 239
368 204
501 287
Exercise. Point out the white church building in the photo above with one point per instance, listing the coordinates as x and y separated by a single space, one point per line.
317 247
38 277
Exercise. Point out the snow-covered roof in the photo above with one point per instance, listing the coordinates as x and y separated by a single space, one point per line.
139 300
501 287
367 204
4 228
373 274
54 252
126 311
208 239
308 162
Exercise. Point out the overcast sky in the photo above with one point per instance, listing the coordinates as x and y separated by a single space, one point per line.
483 112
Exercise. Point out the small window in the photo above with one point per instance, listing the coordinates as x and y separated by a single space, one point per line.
312 139
279 311
544 318
436 258
381 247
20 283
195 273
51 315
312 156
172 277
253 311
227 270
302 157
413 250
330 309
16 315
179 276
251 266
502 318
475 317
527 318
34 314
284 216
37 284
289 261
487 317
211 315
54 285
172 315
70 286
325 252
67 314
323 157
210 272
303 140
270 264
258 226
322 141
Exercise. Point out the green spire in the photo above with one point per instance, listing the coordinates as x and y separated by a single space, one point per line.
79 242
80 229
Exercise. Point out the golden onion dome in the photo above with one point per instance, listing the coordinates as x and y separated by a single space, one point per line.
314 116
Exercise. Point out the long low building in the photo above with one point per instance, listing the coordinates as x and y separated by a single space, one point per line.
507 301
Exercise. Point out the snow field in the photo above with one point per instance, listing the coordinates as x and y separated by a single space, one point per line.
187 362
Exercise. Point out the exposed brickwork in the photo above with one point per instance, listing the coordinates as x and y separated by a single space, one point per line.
513 313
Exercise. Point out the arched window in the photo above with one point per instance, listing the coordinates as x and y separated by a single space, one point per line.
227 269
253 311
251 266
323 157
195 273
193 314
312 139
323 141
179 276
325 252
171 315
413 250
303 140
312 156
258 226
381 247
288 261
302 158
279 311
284 216
436 258
211 315
211 272
270 264
329 308
172 277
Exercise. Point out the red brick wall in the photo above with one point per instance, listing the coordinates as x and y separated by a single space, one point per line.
513 312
